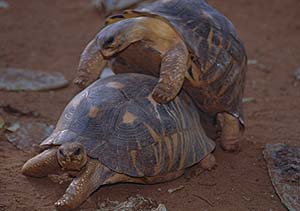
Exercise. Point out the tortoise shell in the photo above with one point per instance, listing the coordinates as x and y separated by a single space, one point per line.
119 123
215 79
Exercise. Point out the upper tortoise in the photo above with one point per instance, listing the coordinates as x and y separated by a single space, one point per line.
114 131
184 42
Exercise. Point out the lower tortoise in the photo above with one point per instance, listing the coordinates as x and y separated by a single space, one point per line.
113 131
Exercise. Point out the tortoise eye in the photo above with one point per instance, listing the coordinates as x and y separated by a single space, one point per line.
108 42
77 151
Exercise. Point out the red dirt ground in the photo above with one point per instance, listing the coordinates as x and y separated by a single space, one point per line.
49 35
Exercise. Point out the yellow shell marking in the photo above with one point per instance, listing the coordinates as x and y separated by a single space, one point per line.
154 135
133 157
115 85
93 112
158 154
129 118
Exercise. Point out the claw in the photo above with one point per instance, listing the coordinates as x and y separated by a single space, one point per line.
63 204
81 81
161 96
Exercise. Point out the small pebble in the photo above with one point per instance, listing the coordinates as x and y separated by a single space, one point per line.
248 100
252 62
245 198
175 189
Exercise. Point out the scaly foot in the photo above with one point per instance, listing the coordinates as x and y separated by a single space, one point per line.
162 94
230 132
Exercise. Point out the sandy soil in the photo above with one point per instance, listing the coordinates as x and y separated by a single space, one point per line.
49 35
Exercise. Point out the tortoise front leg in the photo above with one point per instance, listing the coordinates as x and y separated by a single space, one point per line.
230 132
172 73
90 66
42 165
93 176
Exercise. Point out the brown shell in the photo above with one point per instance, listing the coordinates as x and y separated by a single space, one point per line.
121 125
216 77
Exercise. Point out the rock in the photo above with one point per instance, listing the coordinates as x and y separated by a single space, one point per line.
12 79
284 170
4 5
25 135
137 203
109 6
297 74
14 127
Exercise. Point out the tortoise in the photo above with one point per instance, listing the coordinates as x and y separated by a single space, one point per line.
186 43
114 131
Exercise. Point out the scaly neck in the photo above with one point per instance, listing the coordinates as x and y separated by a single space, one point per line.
156 32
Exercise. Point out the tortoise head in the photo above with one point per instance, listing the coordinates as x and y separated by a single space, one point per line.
72 156
118 36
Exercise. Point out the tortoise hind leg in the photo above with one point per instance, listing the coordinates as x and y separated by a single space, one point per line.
42 165
230 132
172 74
92 177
